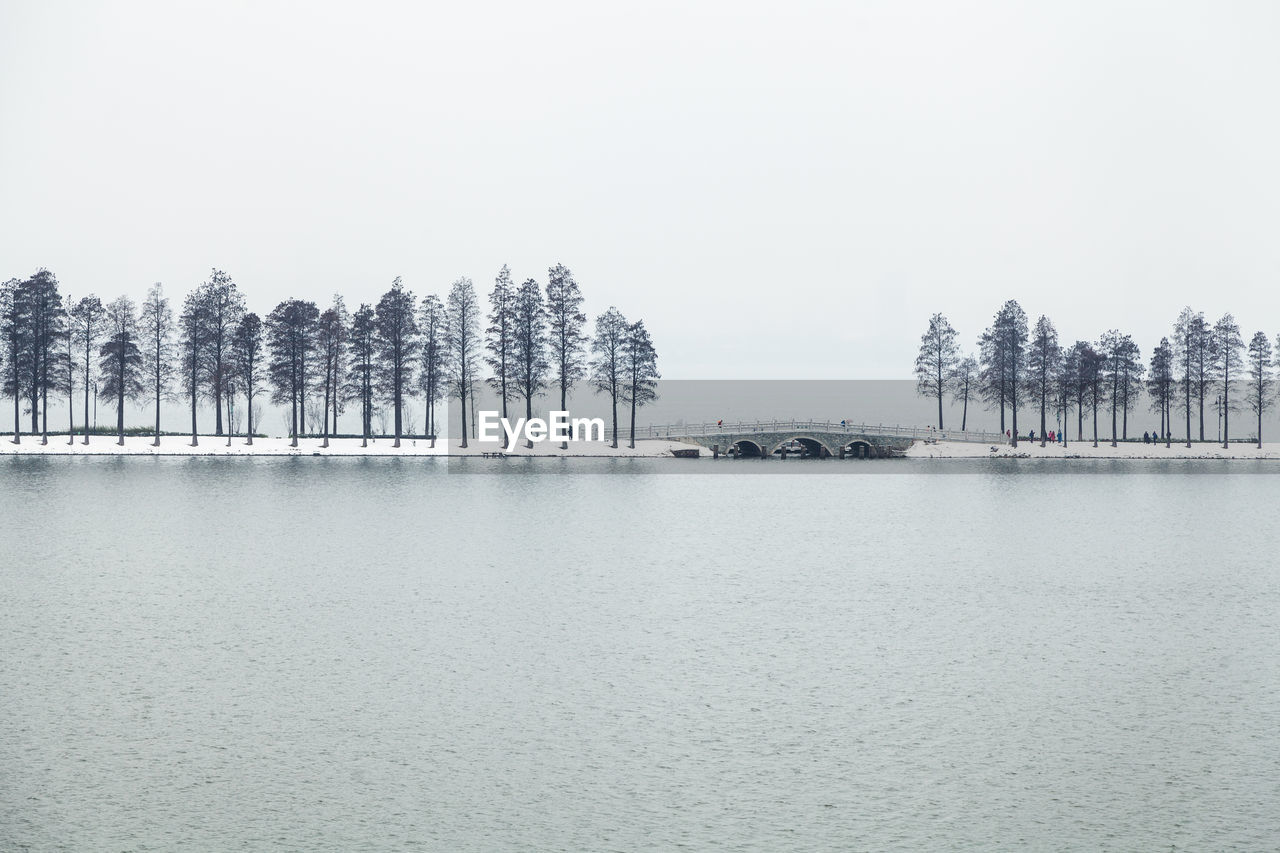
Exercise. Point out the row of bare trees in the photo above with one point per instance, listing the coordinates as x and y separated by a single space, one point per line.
1022 367
216 351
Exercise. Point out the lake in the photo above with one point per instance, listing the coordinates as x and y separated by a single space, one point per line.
376 654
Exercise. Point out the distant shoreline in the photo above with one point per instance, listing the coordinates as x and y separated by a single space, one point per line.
1085 450
178 446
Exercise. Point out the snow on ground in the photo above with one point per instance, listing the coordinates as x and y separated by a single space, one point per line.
1086 450
175 445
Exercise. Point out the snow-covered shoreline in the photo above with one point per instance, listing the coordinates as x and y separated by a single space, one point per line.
1085 450
174 445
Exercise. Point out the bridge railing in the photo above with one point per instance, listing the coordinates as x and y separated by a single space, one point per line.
711 429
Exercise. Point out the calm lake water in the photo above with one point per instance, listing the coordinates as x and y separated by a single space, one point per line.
328 654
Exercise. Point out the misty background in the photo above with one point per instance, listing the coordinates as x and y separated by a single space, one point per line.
780 192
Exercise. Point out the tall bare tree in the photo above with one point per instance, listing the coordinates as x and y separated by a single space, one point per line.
1161 384
291 340
246 351
529 344
223 308
396 335
1043 365
1261 378
87 319
961 383
46 317
1228 346
462 313
498 336
69 374
566 324
13 326
121 363
193 339
331 333
936 360
1189 353
363 367
433 326
640 371
607 361
155 329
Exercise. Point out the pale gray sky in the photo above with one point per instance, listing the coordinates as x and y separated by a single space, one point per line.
781 190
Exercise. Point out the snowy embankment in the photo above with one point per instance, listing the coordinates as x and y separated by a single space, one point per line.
174 445
1086 450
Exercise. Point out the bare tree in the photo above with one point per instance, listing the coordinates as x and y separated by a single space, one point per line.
45 317
13 326
462 312
1189 350
566 326
1160 386
156 332
363 367
1043 366
1228 346
223 308
87 318
291 339
332 333
433 326
606 366
530 344
1121 366
1261 381
193 331
961 384
246 349
640 371
69 378
498 334
121 363
396 336
936 360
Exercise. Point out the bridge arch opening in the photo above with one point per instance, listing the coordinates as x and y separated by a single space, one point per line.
747 449
860 450
804 447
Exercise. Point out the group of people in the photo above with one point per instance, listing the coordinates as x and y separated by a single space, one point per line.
1153 437
1052 436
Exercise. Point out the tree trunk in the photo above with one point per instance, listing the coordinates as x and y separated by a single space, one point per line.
939 405
614 398
195 441
632 444
964 412
528 413
217 398
462 397
1226 410
120 408
86 394
1201 417
327 374
564 405
1043 402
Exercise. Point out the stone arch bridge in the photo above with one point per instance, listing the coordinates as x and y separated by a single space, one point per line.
808 439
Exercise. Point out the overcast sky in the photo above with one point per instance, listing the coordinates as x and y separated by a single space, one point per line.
781 190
